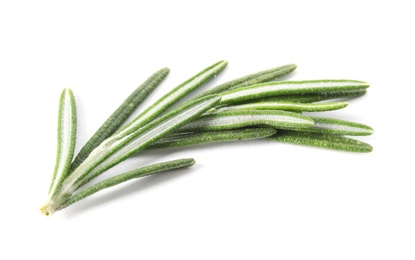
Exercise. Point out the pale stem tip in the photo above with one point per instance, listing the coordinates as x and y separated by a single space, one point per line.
47 210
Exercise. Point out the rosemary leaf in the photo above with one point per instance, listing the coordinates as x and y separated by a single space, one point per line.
242 118
272 75
316 97
273 89
337 127
321 140
188 139
173 97
66 139
120 115
285 105
134 174
252 79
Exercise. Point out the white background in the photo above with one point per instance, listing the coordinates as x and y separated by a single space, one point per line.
250 200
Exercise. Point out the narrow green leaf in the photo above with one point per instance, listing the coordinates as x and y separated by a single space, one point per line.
134 174
316 97
66 139
173 97
136 141
188 139
273 89
288 106
120 115
337 127
327 141
252 79
243 118
258 78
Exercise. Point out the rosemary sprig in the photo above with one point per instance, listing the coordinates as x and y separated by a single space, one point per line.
242 109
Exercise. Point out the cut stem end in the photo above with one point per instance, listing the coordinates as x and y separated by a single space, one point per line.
48 209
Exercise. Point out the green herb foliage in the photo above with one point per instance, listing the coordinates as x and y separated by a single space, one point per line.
255 106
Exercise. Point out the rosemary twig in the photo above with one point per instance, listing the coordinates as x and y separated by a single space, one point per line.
241 109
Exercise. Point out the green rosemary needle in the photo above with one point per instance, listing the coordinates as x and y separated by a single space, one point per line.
66 139
316 97
196 138
321 140
337 127
243 118
134 174
285 105
273 89
252 79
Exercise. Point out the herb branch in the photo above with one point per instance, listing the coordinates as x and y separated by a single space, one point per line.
256 106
